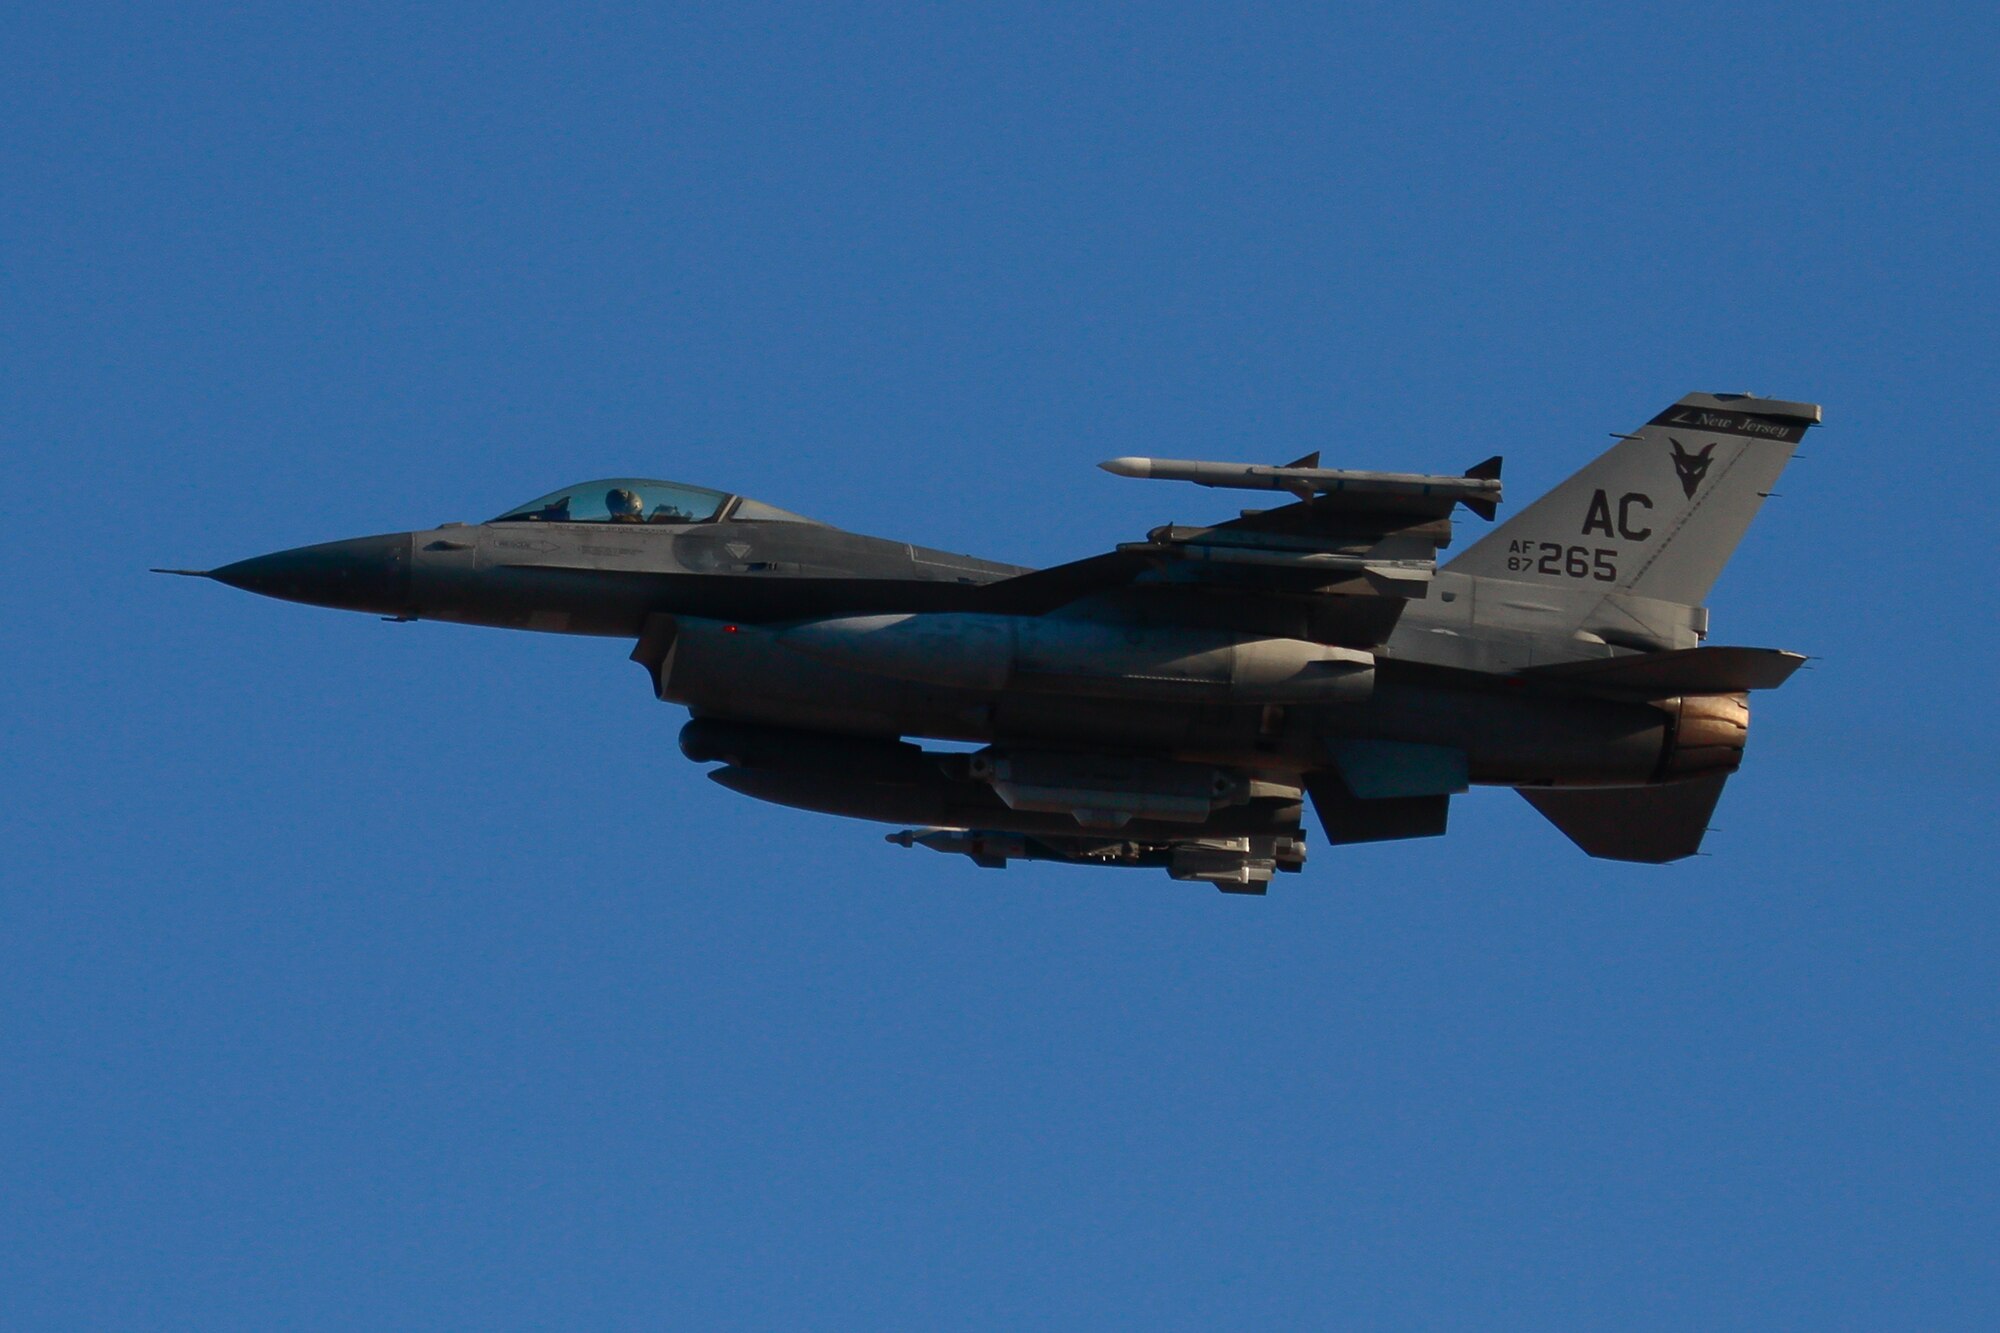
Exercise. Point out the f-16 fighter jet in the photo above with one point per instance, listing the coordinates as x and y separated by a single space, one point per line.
1179 701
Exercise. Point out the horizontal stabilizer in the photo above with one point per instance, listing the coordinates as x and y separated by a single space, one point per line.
1680 671
1649 824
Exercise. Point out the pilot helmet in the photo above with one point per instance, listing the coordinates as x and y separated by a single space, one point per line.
622 503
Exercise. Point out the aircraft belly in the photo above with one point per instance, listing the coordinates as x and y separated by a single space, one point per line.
734 670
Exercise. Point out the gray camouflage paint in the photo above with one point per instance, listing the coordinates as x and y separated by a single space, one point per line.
1176 702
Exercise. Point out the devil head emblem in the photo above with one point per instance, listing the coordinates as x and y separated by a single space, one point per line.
1691 467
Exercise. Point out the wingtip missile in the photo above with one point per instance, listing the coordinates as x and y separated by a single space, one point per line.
1479 488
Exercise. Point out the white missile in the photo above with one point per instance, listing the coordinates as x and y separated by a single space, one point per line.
1478 489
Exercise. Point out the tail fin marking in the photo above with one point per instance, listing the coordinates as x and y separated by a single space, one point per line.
1658 514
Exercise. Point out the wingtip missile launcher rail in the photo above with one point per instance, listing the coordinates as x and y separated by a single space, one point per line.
1478 489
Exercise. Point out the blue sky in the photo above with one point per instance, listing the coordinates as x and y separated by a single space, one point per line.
369 975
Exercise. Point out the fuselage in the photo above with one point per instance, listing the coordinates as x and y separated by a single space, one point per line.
734 588
1178 700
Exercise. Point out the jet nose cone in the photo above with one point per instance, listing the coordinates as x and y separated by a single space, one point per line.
362 574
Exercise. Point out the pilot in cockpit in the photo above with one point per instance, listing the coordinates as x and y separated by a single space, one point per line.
624 506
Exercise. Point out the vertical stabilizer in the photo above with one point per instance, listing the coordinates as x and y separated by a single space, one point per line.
1659 513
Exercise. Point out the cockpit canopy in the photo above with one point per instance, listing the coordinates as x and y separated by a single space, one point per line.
641 500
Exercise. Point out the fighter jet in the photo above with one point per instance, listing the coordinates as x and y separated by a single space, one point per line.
1179 701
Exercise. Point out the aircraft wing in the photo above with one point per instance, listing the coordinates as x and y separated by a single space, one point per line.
1346 556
